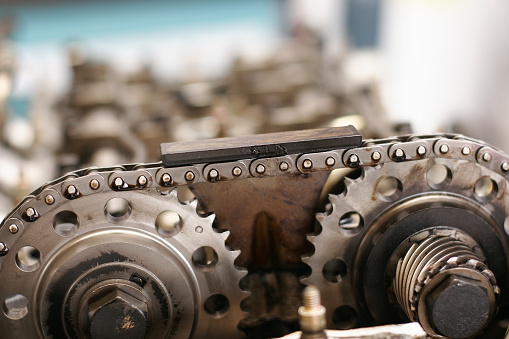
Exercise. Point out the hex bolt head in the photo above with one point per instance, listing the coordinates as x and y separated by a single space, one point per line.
118 315
459 307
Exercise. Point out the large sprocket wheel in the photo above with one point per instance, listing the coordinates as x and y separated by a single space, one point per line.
90 262
390 207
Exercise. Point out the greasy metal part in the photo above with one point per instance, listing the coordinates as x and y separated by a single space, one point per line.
401 331
312 314
259 146
181 291
363 229
444 285
363 226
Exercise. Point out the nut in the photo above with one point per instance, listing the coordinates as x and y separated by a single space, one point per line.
118 315
459 307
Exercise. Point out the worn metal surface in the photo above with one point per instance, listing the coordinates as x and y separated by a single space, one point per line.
259 146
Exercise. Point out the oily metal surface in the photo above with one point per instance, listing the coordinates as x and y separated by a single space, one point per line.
268 218
117 247
153 179
363 247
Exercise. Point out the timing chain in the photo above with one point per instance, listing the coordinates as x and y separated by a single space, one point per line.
143 176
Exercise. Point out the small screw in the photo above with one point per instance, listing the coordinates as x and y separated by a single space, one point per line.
13 228
505 166
307 164
260 169
142 180
465 150
49 199
189 176
166 178
283 166
330 161
421 150
376 156
94 184
237 171
213 174
486 157
444 149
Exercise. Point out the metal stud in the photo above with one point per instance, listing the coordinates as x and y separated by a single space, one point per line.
260 169
49 199
353 160
166 178
30 212
213 174
237 171
94 184
505 166
307 164
376 156
444 149
13 228
189 176
486 157
330 161
72 190
465 150
399 154
283 166
119 182
421 151
142 180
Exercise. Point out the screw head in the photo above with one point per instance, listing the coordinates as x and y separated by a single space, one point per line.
421 151
94 184
260 169
166 178
399 153
213 174
486 157
119 182
118 315
142 180
237 171
459 307
505 166
31 213
307 164
353 160
189 175
376 156
49 199
465 150
444 149
13 228
283 166
71 190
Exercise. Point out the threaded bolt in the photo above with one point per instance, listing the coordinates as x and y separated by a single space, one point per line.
312 314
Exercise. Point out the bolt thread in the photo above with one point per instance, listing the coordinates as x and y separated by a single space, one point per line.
420 262
311 297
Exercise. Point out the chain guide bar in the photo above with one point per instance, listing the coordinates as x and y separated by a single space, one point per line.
80 232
